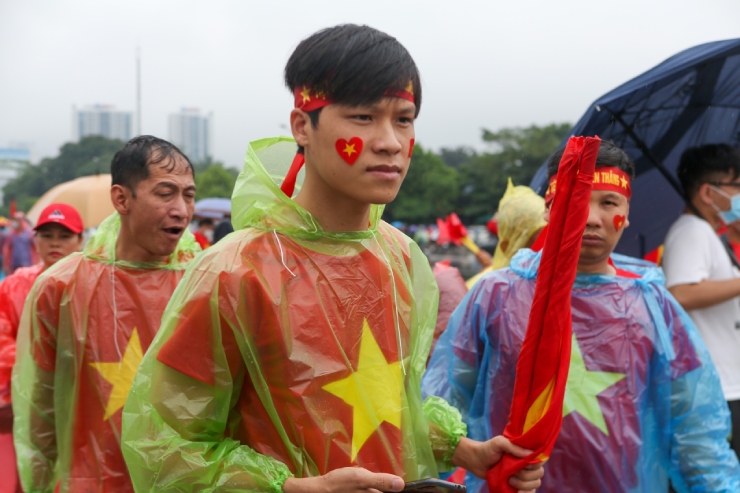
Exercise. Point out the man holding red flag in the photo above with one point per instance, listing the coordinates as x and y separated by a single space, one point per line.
643 404
89 319
290 358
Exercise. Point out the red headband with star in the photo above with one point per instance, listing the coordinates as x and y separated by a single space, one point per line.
606 178
308 100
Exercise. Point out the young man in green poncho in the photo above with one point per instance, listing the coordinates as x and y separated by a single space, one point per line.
290 356
89 319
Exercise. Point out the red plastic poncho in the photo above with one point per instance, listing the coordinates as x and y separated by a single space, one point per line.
85 328
288 350
13 292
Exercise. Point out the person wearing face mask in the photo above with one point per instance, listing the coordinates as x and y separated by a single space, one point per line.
699 269
58 233
204 234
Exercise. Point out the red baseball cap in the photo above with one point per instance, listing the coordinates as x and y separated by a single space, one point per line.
63 214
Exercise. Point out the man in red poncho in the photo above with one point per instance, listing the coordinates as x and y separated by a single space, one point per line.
90 318
58 234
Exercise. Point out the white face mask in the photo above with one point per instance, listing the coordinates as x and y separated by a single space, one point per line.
209 235
734 213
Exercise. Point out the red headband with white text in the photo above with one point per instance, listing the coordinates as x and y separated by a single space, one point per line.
605 179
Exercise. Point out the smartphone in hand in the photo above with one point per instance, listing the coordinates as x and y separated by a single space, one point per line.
433 485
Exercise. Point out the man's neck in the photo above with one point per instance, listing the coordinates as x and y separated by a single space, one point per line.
600 267
128 250
335 212
709 216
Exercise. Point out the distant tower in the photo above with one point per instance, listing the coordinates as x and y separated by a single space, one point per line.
138 90
191 132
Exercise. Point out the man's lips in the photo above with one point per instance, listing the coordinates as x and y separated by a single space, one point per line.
173 231
592 239
385 171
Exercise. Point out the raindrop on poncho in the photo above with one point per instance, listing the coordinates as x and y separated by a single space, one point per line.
290 351
87 323
643 401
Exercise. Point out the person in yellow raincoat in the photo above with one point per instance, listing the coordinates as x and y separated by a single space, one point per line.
291 354
89 319
521 214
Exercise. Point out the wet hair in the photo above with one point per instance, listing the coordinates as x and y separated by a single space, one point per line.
609 155
130 165
354 65
707 164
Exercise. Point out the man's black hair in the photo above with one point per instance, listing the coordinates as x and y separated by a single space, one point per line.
707 164
353 65
609 155
130 164
205 222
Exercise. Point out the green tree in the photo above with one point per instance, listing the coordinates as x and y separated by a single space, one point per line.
428 191
215 180
91 155
517 153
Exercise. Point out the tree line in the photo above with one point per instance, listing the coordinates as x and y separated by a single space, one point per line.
460 180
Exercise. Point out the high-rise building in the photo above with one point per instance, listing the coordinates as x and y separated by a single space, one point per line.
103 120
191 132
12 161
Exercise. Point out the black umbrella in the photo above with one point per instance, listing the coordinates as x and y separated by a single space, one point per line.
691 99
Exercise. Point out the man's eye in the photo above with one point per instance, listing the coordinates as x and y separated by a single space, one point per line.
364 118
405 120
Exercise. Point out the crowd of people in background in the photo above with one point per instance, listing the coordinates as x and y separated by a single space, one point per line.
307 351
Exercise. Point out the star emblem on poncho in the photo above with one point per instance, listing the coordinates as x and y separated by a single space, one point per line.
584 386
373 390
121 374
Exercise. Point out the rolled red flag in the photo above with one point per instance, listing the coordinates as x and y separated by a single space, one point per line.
542 369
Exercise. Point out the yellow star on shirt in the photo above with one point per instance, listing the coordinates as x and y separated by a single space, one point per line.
349 149
373 391
121 374
306 94
583 386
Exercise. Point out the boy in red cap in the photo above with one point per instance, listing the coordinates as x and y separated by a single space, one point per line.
58 234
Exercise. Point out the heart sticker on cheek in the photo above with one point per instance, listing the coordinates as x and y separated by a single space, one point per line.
349 151
618 222
411 148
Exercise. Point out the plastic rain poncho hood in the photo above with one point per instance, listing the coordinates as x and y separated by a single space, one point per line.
643 401
86 324
287 350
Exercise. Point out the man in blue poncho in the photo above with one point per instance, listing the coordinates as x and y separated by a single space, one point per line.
643 403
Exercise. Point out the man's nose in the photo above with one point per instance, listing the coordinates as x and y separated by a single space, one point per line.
386 140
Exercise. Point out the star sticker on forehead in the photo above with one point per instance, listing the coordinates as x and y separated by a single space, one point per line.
306 94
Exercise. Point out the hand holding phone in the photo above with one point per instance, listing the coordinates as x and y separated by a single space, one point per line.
433 485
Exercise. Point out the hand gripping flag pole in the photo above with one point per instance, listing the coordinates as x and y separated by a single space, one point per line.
542 370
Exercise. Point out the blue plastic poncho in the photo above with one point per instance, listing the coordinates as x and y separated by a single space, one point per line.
643 402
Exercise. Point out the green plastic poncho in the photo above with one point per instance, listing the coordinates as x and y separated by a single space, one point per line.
84 329
289 351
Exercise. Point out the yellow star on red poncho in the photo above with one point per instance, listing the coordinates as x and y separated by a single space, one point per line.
373 390
121 374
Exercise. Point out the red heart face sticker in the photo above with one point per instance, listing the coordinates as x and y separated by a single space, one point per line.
349 151
618 222
411 148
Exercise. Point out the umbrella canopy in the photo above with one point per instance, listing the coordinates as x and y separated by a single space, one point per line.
214 208
691 99
90 195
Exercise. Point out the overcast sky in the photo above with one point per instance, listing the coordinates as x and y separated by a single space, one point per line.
484 64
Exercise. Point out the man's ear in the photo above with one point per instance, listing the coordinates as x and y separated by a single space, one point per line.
121 198
299 123
704 194
546 215
627 217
